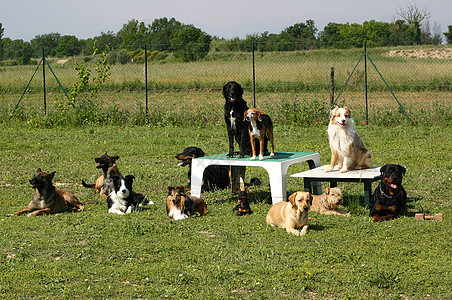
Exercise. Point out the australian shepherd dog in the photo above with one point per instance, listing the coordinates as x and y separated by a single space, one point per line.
347 148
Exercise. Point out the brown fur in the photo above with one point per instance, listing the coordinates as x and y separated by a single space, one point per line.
47 199
292 214
256 118
347 148
104 183
328 203
178 201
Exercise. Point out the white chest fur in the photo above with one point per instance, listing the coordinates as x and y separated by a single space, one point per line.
255 131
232 119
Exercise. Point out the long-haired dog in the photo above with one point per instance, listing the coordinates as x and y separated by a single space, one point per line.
347 148
180 206
47 199
243 207
291 215
389 198
214 177
123 200
234 108
104 183
328 203
259 125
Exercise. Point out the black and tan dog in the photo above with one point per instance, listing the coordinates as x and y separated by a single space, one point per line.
243 208
259 126
389 198
214 177
234 108
104 183
47 199
180 206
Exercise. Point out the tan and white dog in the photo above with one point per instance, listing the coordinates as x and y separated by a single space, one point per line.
291 215
259 125
347 148
328 203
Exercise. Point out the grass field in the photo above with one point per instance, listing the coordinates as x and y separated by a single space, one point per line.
94 255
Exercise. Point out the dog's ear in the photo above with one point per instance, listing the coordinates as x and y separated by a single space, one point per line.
169 190
292 200
333 111
180 189
130 178
309 199
326 190
115 158
259 113
244 115
51 175
383 170
38 170
402 169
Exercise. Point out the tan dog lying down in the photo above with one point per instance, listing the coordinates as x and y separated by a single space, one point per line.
328 203
291 215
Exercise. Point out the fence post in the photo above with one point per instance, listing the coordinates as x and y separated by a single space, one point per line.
365 80
44 79
254 79
146 75
331 87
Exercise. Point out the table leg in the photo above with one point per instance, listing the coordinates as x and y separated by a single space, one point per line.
236 173
197 172
367 193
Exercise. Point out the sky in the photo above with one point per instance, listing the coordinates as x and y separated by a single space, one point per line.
25 19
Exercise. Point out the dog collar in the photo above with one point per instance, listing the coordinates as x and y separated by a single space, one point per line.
388 196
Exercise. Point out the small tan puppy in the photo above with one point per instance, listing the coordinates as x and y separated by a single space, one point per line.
292 214
328 203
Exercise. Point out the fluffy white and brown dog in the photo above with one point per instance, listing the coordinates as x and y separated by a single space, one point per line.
291 215
123 200
180 206
328 203
347 148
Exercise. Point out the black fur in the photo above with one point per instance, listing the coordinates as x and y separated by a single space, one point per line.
243 208
389 198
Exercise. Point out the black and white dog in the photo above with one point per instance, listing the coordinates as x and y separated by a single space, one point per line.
123 200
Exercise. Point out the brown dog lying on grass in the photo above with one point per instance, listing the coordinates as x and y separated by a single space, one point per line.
47 199
328 203
291 215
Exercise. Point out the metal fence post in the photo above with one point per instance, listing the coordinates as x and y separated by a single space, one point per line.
332 87
365 81
44 80
146 75
254 78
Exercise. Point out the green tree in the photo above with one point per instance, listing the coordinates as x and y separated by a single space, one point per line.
133 35
48 41
190 43
68 45
448 35
161 33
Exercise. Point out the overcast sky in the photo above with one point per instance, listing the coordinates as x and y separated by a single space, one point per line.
24 19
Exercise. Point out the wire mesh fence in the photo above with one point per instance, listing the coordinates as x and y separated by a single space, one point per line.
292 80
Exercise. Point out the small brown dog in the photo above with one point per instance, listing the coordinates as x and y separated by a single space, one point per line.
47 199
292 214
328 203
180 206
259 125
104 183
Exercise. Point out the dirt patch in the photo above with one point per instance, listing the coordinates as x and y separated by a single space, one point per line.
62 61
445 53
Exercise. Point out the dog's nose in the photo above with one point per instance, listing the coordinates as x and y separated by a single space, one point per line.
124 191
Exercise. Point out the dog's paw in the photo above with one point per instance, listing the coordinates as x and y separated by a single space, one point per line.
272 154
10 215
239 155
329 169
230 155
343 170
261 157
253 158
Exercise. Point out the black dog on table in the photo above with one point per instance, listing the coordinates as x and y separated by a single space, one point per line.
389 198
234 109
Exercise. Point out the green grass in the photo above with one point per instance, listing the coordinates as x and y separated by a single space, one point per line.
93 254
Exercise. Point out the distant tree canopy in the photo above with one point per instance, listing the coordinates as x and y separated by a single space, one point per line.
188 43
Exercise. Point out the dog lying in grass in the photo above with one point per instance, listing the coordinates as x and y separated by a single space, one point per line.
180 206
328 203
104 183
47 199
123 200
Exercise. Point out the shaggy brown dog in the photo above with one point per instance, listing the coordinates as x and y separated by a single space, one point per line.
292 214
104 183
347 148
328 203
47 199
180 206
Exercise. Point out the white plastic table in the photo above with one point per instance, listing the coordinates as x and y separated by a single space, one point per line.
276 167
366 176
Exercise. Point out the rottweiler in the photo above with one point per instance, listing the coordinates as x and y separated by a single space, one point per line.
389 198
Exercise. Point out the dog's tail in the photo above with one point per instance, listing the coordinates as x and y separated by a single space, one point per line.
254 181
88 185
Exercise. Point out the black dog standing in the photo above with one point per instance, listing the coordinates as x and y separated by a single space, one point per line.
234 109
389 198
243 208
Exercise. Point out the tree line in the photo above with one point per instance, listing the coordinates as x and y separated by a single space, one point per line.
188 43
